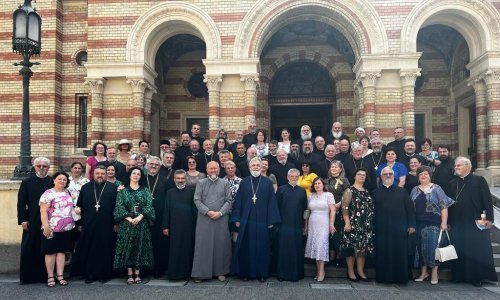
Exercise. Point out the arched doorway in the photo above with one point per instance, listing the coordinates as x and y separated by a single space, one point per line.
301 93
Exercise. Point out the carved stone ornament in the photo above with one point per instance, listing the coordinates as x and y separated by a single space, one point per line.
251 82
213 82
369 79
96 85
408 78
138 85
492 76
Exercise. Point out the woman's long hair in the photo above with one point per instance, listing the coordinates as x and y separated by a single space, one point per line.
142 180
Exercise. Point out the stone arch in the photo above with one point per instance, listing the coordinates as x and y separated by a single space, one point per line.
165 20
356 20
477 21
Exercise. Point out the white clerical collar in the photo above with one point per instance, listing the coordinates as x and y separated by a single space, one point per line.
387 186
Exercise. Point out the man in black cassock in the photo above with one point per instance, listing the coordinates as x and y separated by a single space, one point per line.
167 168
355 161
280 170
289 250
157 186
95 250
254 211
444 172
32 268
179 224
472 196
394 221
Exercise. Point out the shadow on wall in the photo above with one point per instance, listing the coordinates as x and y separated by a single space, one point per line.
10 239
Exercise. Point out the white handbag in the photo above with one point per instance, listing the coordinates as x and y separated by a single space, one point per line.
445 253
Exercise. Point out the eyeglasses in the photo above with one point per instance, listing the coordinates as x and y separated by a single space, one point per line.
42 166
387 174
153 165
191 162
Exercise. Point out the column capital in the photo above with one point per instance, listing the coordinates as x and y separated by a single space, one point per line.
96 85
213 82
138 85
251 81
492 76
369 79
408 77
477 82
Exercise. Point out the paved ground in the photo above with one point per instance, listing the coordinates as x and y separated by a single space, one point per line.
237 289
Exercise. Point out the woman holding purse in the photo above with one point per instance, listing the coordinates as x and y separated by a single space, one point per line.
431 212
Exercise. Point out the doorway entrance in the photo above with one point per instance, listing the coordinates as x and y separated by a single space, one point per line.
318 116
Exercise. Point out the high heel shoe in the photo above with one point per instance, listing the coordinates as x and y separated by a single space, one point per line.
434 282
321 278
424 278
355 279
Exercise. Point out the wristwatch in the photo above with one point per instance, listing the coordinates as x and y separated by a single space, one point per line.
220 213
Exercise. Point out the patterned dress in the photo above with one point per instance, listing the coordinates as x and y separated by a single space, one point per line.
359 206
319 226
75 186
133 247
337 186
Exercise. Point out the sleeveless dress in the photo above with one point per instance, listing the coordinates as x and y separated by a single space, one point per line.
319 229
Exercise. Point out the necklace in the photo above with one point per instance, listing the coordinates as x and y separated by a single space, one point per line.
377 163
211 157
97 200
459 192
254 198
154 186
356 165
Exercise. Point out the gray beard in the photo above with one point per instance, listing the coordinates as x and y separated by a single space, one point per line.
306 137
255 173
180 187
337 135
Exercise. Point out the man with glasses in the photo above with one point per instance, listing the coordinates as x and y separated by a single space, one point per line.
399 141
32 269
121 172
394 222
157 186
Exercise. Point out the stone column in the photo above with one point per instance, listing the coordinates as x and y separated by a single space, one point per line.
148 98
408 78
213 84
369 82
358 93
251 83
97 107
138 86
481 120
492 80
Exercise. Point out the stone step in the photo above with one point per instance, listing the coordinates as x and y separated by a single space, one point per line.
496 248
496 259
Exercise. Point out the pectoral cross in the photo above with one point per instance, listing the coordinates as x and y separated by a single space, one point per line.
254 198
97 207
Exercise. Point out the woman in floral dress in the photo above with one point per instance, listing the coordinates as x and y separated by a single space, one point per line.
357 237
133 213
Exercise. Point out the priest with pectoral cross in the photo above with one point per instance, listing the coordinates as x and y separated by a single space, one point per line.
255 210
95 250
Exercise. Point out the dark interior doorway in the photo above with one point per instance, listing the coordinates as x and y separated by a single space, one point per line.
318 117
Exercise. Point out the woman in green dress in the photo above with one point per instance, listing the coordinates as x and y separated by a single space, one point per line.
133 213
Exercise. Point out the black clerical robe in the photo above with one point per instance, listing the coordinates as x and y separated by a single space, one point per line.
289 246
252 253
394 214
96 248
475 256
281 172
444 173
351 165
180 219
157 185
32 268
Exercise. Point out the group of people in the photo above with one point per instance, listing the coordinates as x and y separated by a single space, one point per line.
255 209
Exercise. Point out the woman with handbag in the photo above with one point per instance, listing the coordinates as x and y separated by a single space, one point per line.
133 210
56 208
431 212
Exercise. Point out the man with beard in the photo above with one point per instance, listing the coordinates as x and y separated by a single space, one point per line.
399 141
343 154
271 157
336 134
121 172
327 161
183 150
308 155
157 186
164 147
394 222
305 134
355 162
472 199
241 153
212 252
280 170
319 143
444 173
250 138
32 268
409 152
377 157
194 148
243 165
238 134
208 154
255 210
167 169
95 250
179 223
289 245
294 151
195 133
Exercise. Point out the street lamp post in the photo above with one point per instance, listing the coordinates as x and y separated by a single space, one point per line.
26 40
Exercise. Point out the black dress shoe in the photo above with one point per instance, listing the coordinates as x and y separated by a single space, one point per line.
280 279
244 278
355 279
364 279
262 279
477 283
89 280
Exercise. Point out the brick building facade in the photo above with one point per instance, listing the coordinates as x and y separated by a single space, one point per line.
113 69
